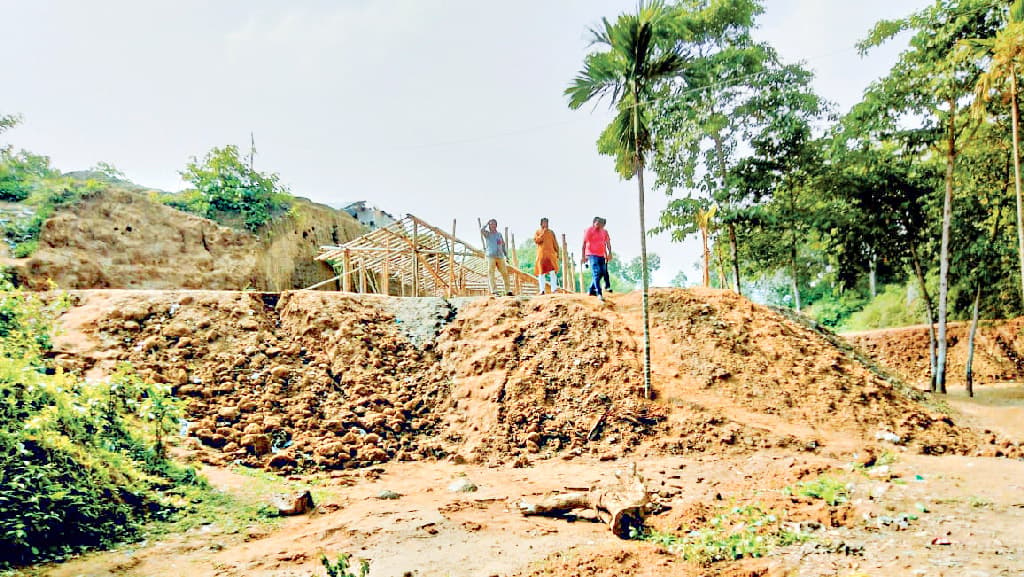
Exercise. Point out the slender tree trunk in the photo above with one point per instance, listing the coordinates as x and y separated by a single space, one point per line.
706 277
794 286
929 317
947 219
733 249
970 341
734 252
720 264
646 284
873 274
1015 118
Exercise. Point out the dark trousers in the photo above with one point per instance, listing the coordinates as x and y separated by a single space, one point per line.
599 270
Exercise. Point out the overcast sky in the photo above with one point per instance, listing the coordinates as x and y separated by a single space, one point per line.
446 109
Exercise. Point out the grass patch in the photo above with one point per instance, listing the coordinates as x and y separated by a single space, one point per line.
739 532
830 490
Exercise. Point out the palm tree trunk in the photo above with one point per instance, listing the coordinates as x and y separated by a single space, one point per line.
646 284
1015 117
947 219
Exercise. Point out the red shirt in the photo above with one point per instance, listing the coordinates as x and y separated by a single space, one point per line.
596 241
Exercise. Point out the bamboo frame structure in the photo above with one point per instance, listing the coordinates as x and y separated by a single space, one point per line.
412 257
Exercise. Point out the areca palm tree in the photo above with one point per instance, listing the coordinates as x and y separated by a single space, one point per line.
634 59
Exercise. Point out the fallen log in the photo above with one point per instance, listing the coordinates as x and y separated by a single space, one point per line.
622 504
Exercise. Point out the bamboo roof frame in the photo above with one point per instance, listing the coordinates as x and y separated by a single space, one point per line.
421 259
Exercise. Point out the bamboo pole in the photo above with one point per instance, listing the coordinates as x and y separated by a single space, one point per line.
413 260
362 275
346 271
566 266
451 262
515 264
386 281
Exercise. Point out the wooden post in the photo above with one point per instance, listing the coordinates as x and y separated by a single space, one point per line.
386 281
414 261
566 266
515 264
346 271
451 262
362 274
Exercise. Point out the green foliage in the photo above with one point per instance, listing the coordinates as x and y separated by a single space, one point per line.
629 272
47 195
833 311
21 173
830 490
109 171
81 463
734 534
680 280
229 189
340 567
891 308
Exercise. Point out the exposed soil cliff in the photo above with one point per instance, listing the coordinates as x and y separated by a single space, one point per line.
124 239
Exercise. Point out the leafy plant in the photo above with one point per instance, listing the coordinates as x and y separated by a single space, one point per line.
227 187
739 532
81 463
832 491
340 567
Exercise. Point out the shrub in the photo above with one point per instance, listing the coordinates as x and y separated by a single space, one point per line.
81 464
830 490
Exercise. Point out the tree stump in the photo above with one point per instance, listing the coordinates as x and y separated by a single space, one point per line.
622 504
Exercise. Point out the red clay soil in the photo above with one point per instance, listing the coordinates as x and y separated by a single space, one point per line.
326 379
998 351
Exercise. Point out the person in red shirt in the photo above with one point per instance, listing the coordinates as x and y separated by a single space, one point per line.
597 251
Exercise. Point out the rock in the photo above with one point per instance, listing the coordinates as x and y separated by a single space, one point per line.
256 444
177 329
228 413
293 504
280 372
280 461
151 342
462 486
388 495
248 324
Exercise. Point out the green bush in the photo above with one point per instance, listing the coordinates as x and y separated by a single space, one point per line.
81 464
229 188
826 488
889 309
47 196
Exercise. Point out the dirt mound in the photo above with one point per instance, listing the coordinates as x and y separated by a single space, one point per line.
338 380
122 239
998 354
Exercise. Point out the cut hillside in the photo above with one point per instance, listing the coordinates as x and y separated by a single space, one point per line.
335 380
121 238
998 351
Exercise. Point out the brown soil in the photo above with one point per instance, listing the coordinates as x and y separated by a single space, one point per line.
998 351
123 239
529 396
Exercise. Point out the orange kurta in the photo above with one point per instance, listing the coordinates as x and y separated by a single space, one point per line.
547 251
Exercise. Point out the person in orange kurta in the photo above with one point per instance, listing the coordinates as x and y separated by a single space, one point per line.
547 256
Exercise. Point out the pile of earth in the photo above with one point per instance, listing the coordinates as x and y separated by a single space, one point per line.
998 351
334 380
122 238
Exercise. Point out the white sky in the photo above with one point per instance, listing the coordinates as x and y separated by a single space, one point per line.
447 109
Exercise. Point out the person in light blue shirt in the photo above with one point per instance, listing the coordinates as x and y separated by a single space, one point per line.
497 254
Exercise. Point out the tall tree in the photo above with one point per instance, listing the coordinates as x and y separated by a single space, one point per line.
634 60
1004 53
927 77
